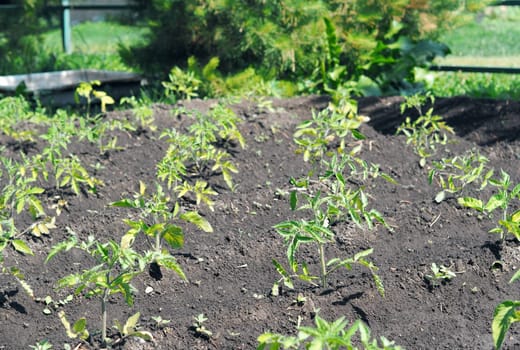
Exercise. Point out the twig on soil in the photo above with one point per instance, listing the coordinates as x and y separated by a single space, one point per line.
435 220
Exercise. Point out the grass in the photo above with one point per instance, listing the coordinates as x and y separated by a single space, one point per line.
94 45
491 39
96 37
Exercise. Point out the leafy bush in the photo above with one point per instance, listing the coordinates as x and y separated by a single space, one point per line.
328 40
18 40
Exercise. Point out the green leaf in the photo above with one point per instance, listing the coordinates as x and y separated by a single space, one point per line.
515 276
363 254
63 246
124 203
80 328
293 200
494 202
358 135
471 202
21 247
131 323
195 218
170 263
286 277
505 314
174 236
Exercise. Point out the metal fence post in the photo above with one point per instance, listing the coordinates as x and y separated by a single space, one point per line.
65 27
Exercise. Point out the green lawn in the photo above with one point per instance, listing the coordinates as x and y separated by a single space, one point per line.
96 37
491 40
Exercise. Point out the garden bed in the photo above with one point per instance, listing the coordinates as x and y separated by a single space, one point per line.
230 272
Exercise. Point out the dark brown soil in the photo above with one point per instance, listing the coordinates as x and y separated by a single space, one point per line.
230 271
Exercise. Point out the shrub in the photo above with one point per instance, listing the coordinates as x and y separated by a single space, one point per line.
288 39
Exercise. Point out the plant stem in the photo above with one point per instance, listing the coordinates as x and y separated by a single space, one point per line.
323 266
104 316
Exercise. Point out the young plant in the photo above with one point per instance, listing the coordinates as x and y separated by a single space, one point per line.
142 112
199 327
506 313
440 274
503 199
86 90
116 266
327 130
67 169
203 151
157 212
95 130
182 84
326 335
160 322
425 132
332 202
130 329
41 345
78 330
70 172
454 174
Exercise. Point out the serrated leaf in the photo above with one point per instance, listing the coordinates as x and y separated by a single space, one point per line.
195 218
80 326
21 247
170 263
471 202
131 323
494 202
505 314
174 236
63 246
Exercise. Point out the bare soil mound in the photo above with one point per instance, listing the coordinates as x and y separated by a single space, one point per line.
230 271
